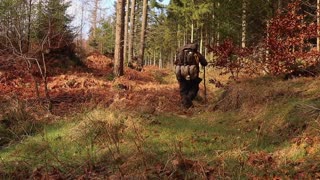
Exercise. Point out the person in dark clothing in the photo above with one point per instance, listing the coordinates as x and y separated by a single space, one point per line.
187 72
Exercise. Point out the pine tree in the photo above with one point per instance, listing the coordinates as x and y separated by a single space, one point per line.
131 33
54 24
118 53
143 31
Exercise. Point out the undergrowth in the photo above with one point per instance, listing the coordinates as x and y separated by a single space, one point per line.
256 129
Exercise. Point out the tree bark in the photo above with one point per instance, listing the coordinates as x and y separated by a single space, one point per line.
126 31
192 33
218 26
318 25
143 31
160 60
244 24
118 53
95 18
81 23
29 25
131 37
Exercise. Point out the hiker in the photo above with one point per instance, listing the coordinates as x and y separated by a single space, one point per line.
187 72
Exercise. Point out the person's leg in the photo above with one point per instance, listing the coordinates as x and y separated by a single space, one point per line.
194 88
184 86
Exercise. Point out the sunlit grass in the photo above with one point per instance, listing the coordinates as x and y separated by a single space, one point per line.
266 134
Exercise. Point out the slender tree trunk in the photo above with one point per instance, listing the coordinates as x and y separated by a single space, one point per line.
118 53
143 31
160 60
201 41
218 26
126 31
132 17
268 35
29 25
244 23
154 58
95 18
81 24
192 32
318 25
178 36
45 81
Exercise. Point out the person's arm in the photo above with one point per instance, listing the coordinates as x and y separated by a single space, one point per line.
202 60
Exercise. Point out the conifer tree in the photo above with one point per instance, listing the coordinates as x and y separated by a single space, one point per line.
54 23
118 54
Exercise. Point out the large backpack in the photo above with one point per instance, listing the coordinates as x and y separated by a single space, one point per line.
187 63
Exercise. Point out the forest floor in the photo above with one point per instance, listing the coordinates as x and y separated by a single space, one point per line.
133 127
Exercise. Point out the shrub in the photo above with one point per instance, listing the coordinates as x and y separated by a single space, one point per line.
229 57
17 123
289 42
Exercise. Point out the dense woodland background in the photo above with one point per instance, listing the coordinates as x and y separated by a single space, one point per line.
269 34
104 103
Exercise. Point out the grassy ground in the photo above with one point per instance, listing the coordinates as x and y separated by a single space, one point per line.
257 128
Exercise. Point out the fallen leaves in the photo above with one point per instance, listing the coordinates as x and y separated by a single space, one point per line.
86 87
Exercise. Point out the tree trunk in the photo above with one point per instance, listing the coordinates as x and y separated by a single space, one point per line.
95 18
268 35
29 24
244 24
118 53
160 60
81 23
154 58
132 17
126 31
143 31
218 26
178 36
318 25
192 33
201 41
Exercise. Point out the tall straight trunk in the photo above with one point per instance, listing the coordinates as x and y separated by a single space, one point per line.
132 17
192 32
81 24
178 36
160 60
126 31
143 31
154 58
201 41
244 24
268 35
218 26
29 24
318 25
118 53
95 18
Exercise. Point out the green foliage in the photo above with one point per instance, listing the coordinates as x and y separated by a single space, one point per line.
53 23
105 37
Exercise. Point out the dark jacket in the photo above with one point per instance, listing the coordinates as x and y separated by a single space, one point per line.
193 47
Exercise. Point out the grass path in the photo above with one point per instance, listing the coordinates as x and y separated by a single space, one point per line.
257 130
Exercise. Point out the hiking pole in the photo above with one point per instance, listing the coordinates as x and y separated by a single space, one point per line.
204 84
